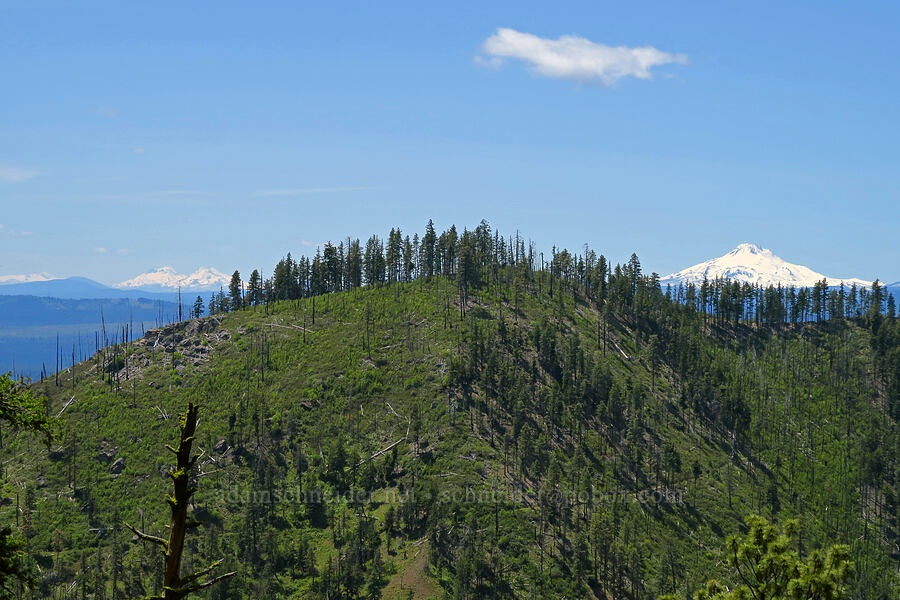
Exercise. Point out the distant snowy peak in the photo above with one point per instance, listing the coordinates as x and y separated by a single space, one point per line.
207 277
167 278
163 276
7 279
748 263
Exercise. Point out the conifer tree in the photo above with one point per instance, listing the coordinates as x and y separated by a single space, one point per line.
255 289
766 566
197 309
236 292
428 247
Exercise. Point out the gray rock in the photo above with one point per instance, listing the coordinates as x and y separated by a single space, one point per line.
107 455
118 466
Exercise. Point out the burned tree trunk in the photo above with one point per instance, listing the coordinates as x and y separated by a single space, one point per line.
174 586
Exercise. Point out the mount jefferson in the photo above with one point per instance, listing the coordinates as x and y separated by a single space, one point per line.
748 263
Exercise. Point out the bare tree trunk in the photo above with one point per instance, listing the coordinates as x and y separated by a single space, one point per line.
174 586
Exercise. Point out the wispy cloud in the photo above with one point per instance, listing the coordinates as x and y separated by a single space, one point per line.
304 242
101 250
167 196
107 111
4 230
182 193
10 174
576 58
302 191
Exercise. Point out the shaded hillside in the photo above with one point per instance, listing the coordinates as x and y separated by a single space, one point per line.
503 434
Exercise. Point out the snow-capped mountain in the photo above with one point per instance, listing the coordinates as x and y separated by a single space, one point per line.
168 279
759 266
9 279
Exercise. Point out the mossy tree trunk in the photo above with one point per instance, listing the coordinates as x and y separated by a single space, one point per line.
174 586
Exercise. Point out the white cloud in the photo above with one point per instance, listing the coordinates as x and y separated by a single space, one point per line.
9 174
577 58
493 61
100 250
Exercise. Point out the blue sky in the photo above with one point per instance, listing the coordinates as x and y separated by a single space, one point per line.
224 134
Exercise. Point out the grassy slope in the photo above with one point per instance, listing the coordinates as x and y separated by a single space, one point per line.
289 379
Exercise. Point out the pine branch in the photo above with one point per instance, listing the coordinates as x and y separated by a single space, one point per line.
202 573
147 537
206 584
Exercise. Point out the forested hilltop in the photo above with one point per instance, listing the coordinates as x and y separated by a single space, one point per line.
457 415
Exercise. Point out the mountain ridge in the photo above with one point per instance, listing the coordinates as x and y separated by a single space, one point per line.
166 278
25 278
80 288
514 427
471 405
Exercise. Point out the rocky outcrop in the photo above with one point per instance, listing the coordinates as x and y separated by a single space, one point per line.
107 455
117 467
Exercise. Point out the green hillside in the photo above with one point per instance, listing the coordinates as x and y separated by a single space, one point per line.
489 428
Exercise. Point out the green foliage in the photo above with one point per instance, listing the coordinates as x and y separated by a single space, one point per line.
20 408
472 421
767 566
13 564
